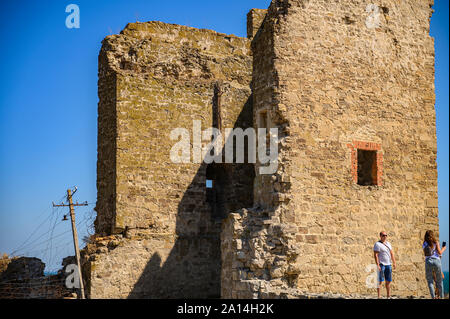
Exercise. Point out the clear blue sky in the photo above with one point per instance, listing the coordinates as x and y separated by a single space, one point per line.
48 106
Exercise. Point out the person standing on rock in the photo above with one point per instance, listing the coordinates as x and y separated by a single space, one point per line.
385 260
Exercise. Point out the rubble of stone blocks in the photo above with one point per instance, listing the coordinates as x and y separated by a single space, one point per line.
257 252
23 278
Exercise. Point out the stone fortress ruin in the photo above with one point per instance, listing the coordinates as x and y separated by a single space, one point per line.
350 86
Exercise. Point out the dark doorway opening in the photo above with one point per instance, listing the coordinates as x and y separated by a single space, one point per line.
218 189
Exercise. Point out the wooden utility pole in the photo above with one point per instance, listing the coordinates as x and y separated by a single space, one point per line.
74 233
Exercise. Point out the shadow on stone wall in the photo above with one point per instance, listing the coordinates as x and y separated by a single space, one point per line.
193 267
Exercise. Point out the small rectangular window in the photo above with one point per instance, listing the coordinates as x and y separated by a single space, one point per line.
262 119
209 183
367 168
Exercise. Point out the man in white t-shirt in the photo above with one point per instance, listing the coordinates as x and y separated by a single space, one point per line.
385 260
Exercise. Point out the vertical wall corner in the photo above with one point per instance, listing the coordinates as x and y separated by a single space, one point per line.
255 19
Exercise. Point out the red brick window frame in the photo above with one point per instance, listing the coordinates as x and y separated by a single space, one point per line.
366 146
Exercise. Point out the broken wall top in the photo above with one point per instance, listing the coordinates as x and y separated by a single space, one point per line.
178 52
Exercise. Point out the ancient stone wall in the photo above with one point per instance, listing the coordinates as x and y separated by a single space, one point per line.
23 278
265 100
258 254
360 73
154 78
255 19
350 87
346 77
259 249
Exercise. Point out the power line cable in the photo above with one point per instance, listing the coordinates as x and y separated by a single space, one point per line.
38 227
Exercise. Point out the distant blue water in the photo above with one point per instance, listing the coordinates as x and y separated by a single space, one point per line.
446 282
50 273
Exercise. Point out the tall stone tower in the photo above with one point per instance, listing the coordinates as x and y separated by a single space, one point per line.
350 87
158 222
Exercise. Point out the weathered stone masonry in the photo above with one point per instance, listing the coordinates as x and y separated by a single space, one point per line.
153 78
337 79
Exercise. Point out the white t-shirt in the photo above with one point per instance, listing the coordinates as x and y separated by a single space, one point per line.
384 255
